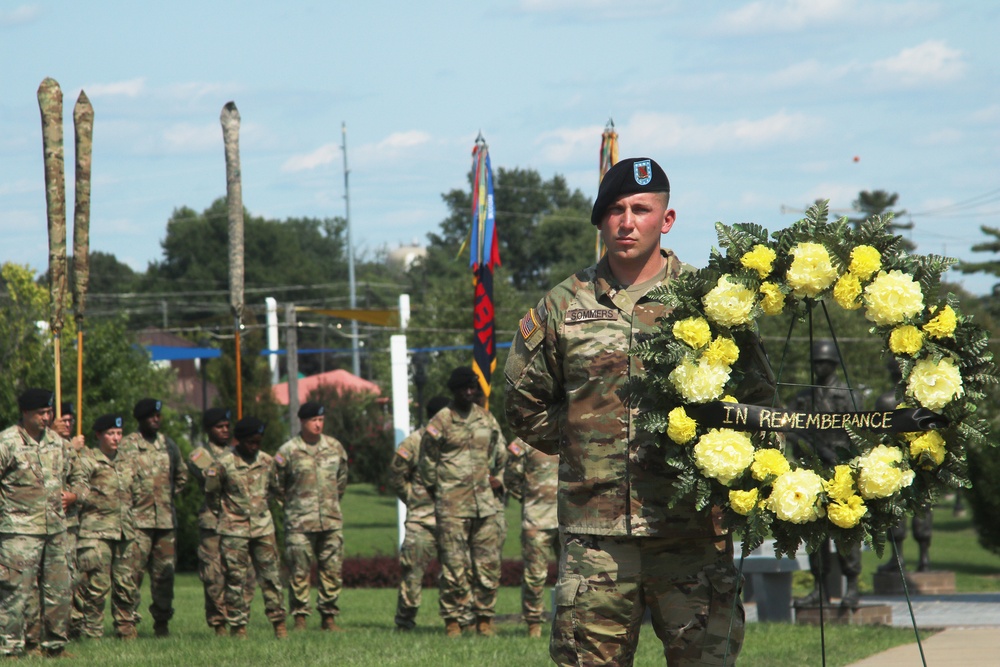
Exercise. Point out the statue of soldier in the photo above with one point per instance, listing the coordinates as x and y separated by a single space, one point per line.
830 447
532 476
419 545
922 521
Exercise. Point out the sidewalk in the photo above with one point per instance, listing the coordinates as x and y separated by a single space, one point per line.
952 646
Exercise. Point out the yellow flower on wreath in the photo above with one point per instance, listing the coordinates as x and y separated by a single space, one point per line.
846 292
943 324
772 300
906 339
723 351
729 303
680 427
760 259
841 487
795 496
811 271
865 261
699 382
930 444
847 514
693 330
767 462
935 384
880 474
723 454
892 297
743 502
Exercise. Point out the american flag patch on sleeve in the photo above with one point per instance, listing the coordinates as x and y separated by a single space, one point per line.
529 324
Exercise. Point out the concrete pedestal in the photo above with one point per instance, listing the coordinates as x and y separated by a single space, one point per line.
866 614
934 582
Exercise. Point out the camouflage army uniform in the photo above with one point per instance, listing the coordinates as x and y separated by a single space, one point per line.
246 532
623 547
533 478
311 481
418 543
33 539
107 539
32 610
458 455
210 571
161 476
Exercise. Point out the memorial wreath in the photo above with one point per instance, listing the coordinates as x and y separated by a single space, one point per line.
730 455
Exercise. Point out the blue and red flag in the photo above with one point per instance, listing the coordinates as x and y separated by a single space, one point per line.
484 255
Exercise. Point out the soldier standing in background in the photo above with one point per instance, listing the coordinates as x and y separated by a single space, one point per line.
161 476
533 478
829 447
461 460
244 480
107 536
312 478
418 542
33 470
216 422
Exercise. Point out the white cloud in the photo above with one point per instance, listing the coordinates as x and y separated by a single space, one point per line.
767 16
130 88
675 132
195 90
395 146
592 9
320 157
191 138
946 136
568 144
931 61
19 15
807 72
987 115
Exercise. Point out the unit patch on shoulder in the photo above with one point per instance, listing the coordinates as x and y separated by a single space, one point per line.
515 449
279 459
404 453
211 472
590 315
433 430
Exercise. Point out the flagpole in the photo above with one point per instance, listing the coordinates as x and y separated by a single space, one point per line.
355 353
83 126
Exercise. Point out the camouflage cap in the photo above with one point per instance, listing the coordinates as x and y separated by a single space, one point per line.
34 399
628 176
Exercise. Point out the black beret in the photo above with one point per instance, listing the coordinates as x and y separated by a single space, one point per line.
462 377
34 399
311 409
631 175
213 416
436 404
66 408
104 422
248 426
146 407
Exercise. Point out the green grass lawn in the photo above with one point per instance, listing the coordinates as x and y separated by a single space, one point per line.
370 640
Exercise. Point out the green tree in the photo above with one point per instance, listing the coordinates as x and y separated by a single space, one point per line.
990 267
878 202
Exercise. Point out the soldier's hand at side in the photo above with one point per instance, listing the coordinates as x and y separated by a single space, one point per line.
496 484
68 498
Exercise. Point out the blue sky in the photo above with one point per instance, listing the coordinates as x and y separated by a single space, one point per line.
749 106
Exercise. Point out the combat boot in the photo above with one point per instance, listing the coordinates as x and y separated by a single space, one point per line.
127 632
452 628
852 597
535 630
238 632
813 599
280 630
484 627
329 624
300 622
160 629
220 631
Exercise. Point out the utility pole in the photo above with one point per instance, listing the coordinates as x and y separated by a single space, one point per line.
355 355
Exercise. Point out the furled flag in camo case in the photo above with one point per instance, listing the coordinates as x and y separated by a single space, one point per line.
484 254
609 156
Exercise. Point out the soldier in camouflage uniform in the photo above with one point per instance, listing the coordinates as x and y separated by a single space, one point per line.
244 480
533 478
312 478
462 458
161 476
63 428
216 422
418 542
107 536
830 448
33 470
625 549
